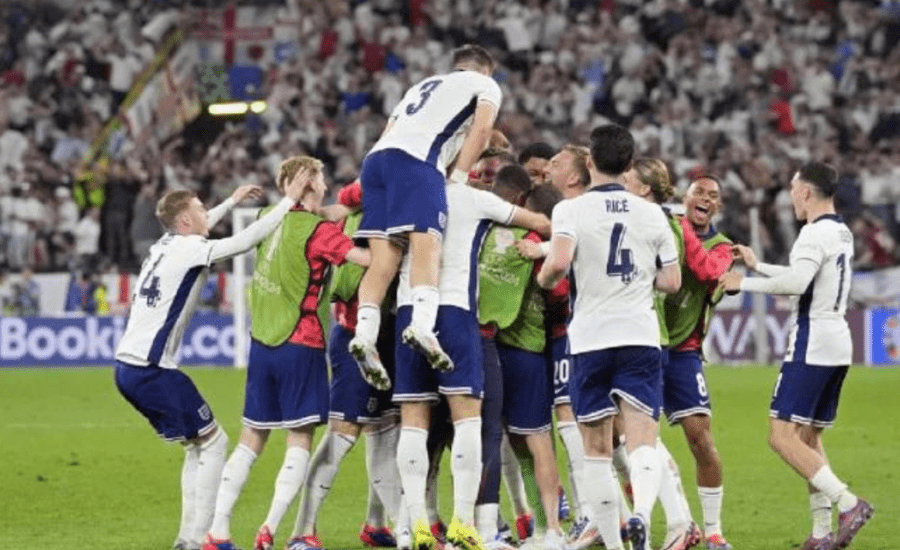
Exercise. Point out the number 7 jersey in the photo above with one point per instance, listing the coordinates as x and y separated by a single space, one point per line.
432 119
619 238
167 292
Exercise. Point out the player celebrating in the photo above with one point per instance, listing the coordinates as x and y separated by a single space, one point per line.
819 350
686 398
608 231
146 371
287 377
441 118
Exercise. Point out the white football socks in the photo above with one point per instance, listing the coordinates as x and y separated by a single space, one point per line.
412 463
287 484
322 471
820 509
210 462
671 492
189 493
512 477
571 438
368 322
486 516
711 504
425 301
602 499
833 488
465 464
381 464
645 479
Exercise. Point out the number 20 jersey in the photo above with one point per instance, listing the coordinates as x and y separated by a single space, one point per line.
167 292
432 119
618 238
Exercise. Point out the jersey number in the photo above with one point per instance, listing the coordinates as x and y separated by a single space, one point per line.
149 289
424 93
621 260
842 269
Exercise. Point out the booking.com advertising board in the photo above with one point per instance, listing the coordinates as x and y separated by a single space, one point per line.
209 339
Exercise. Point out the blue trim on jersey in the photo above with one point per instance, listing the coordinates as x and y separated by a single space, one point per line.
608 187
834 217
162 337
477 241
449 130
802 341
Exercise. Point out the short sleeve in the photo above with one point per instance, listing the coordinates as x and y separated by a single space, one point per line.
329 243
490 92
564 220
808 246
492 207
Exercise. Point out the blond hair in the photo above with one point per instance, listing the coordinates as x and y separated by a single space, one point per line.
581 156
171 205
655 173
291 166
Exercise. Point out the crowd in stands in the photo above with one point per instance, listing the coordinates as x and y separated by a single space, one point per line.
745 90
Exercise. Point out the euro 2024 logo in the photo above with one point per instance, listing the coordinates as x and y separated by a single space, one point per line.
890 337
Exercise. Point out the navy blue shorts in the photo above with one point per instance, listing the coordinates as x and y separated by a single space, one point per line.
458 333
629 372
167 398
685 392
562 366
287 386
527 397
807 394
401 194
352 398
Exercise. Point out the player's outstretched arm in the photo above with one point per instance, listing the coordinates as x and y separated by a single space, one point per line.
668 279
792 280
531 220
476 140
746 255
359 256
241 193
706 265
258 230
532 250
562 251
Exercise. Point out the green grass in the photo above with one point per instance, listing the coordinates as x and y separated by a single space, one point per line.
80 469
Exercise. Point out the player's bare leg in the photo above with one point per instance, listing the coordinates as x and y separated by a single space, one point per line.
386 257
425 261
698 432
788 440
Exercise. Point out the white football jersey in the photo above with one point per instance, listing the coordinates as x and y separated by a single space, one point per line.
431 121
820 335
618 239
470 212
165 297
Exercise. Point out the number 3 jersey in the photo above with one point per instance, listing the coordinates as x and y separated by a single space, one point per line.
619 238
432 119
167 292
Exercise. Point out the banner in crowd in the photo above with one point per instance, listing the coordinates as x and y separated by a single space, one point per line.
90 341
883 343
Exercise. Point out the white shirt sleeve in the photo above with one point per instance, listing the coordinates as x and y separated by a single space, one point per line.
807 247
251 235
216 214
492 207
563 221
490 91
793 280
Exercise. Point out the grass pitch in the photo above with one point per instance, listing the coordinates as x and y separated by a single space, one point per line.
80 469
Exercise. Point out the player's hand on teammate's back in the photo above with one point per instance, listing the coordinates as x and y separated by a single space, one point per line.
249 190
730 282
299 184
529 249
744 254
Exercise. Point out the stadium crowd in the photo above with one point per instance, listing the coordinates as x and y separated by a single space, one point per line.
744 90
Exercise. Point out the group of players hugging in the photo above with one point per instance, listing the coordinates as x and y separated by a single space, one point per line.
456 325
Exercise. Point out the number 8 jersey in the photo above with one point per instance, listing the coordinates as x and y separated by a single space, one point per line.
619 238
431 120
167 292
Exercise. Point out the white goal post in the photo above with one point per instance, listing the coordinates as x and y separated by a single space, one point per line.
241 217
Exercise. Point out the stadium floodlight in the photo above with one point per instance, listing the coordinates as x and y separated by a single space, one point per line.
258 106
227 109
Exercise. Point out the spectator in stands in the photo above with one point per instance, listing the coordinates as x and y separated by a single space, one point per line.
87 238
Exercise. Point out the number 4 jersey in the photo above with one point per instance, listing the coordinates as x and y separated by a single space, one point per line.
167 292
619 238
432 119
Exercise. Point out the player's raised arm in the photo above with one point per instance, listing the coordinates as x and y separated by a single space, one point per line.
243 192
257 231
